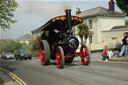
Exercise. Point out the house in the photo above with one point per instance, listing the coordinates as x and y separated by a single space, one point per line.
36 33
25 38
106 26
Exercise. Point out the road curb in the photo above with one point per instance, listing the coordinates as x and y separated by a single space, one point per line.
119 62
18 80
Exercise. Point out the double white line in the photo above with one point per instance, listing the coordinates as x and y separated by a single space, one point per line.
20 81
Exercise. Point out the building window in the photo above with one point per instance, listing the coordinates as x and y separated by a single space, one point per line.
90 36
90 39
114 38
90 23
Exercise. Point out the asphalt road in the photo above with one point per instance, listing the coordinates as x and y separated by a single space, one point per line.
98 73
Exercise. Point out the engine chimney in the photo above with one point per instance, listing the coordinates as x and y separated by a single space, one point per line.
68 17
78 11
111 6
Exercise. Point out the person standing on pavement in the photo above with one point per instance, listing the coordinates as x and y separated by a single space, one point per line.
126 48
124 42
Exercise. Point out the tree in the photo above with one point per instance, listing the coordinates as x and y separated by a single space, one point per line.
83 32
9 45
126 22
15 45
7 7
36 43
123 5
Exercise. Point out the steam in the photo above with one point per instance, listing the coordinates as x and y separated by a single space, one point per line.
46 9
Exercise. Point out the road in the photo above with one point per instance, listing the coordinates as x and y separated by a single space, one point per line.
98 73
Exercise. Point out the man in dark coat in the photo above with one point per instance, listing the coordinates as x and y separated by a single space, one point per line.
124 42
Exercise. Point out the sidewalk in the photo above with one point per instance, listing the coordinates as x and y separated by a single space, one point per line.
119 59
97 56
5 79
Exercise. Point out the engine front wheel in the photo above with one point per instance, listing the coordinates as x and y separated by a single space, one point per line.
60 57
85 55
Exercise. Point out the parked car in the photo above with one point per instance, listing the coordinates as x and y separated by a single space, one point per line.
23 54
8 55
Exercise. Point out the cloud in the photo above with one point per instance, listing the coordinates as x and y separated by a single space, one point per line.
44 8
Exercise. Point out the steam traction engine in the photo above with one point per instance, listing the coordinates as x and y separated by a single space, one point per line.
58 42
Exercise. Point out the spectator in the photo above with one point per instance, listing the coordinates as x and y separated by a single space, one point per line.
105 54
110 53
124 42
126 48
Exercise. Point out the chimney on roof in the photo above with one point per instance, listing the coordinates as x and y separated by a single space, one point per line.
78 11
111 6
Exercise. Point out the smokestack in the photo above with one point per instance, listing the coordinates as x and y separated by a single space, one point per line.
68 17
78 11
111 6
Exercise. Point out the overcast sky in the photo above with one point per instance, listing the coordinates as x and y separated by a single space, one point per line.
31 14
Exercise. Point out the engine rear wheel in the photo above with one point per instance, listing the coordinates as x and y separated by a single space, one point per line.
85 55
44 52
60 57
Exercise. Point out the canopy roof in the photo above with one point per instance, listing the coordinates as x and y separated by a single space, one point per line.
59 23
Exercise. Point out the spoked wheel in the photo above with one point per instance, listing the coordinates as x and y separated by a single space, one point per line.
85 55
60 57
44 52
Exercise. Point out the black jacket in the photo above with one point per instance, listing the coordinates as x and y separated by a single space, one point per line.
124 40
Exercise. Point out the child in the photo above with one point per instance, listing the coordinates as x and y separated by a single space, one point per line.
110 53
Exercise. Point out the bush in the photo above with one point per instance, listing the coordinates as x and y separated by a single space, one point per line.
126 22
9 45
35 44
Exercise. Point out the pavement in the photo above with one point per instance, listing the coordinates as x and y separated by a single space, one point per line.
115 58
6 79
120 59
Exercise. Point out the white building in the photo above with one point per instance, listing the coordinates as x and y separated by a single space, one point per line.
106 25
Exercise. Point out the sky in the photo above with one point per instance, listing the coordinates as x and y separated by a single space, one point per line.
32 14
